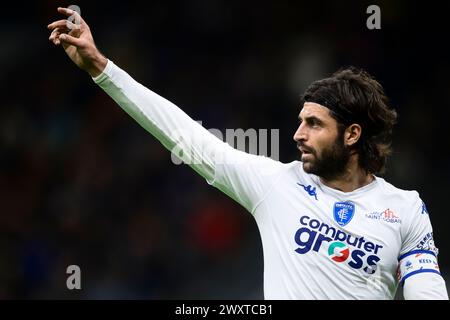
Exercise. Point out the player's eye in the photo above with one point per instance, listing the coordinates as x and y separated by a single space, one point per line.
316 123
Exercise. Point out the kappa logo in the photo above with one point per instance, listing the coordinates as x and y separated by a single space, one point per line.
424 208
309 189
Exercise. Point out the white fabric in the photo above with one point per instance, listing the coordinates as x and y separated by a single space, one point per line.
318 242
426 286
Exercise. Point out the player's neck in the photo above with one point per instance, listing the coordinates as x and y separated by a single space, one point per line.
353 177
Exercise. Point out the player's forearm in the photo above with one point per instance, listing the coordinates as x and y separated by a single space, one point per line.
168 123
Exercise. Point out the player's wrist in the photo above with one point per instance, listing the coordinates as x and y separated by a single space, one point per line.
97 65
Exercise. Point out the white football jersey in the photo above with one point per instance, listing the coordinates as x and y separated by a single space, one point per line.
321 243
318 242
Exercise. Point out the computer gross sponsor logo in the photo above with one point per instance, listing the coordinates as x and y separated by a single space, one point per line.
356 252
339 255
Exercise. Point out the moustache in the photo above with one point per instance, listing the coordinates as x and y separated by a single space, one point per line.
303 148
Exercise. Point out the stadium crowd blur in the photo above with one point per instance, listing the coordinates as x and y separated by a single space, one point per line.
82 183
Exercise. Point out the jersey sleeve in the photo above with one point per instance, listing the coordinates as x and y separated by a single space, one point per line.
418 269
247 178
425 286
244 177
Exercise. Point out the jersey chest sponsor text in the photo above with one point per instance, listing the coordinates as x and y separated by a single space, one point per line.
356 252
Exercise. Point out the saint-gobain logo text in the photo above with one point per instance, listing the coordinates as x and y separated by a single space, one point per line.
194 146
387 215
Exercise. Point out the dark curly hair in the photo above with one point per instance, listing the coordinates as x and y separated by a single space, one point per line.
354 96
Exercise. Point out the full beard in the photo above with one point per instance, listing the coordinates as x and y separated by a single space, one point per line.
331 163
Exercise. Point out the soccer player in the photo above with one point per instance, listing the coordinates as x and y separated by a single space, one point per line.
330 227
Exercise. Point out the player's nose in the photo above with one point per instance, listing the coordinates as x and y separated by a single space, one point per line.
299 134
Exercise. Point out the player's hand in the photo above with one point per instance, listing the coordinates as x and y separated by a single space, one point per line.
76 39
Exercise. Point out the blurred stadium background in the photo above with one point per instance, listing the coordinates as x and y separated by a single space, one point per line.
81 183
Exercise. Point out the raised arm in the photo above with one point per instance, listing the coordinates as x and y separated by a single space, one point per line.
242 176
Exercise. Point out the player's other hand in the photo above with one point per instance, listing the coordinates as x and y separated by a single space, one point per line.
76 39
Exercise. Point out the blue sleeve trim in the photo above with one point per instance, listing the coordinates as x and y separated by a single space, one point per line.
418 271
415 252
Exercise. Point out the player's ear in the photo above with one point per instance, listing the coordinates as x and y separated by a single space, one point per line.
352 134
